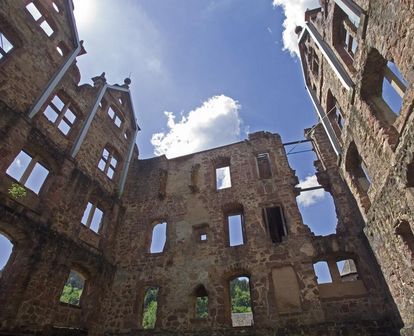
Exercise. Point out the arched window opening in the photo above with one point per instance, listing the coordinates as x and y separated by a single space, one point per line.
159 238
240 299
73 289
150 307
6 249
201 304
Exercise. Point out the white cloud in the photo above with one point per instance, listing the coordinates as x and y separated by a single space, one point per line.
295 16
223 178
215 123
308 198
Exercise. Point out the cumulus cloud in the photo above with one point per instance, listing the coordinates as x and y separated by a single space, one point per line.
308 198
215 123
295 15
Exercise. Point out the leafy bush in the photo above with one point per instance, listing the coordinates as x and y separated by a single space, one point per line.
17 191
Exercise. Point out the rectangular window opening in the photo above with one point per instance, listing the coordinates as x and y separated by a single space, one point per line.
347 270
241 304
28 171
92 217
108 163
322 272
40 19
115 117
275 223
150 307
235 226
223 178
159 238
5 45
73 289
263 164
59 113
394 86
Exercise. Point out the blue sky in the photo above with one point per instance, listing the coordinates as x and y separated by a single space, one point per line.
204 73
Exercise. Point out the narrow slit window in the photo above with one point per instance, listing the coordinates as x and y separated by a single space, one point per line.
223 178
150 307
393 88
347 270
241 304
263 165
235 226
60 114
159 238
275 222
92 217
322 272
5 45
73 289
28 171
201 308
40 19
108 163
115 117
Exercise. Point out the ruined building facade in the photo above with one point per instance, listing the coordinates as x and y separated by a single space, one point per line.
91 205
358 64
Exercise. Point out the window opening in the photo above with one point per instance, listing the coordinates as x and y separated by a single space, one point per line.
203 237
39 18
60 114
28 171
6 248
404 231
59 50
235 223
275 222
240 299
347 270
92 217
302 158
393 87
55 7
159 237
410 174
323 275
223 178
263 164
73 289
150 307
201 309
114 117
108 163
5 45
357 168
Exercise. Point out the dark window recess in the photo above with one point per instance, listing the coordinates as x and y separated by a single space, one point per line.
263 165
275 222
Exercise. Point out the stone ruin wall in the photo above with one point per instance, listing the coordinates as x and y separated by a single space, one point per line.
383 141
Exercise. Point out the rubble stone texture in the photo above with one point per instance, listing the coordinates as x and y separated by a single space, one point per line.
49 239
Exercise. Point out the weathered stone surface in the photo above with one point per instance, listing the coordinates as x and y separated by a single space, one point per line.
50 241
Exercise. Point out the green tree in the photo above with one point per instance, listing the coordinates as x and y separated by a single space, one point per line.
150 315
